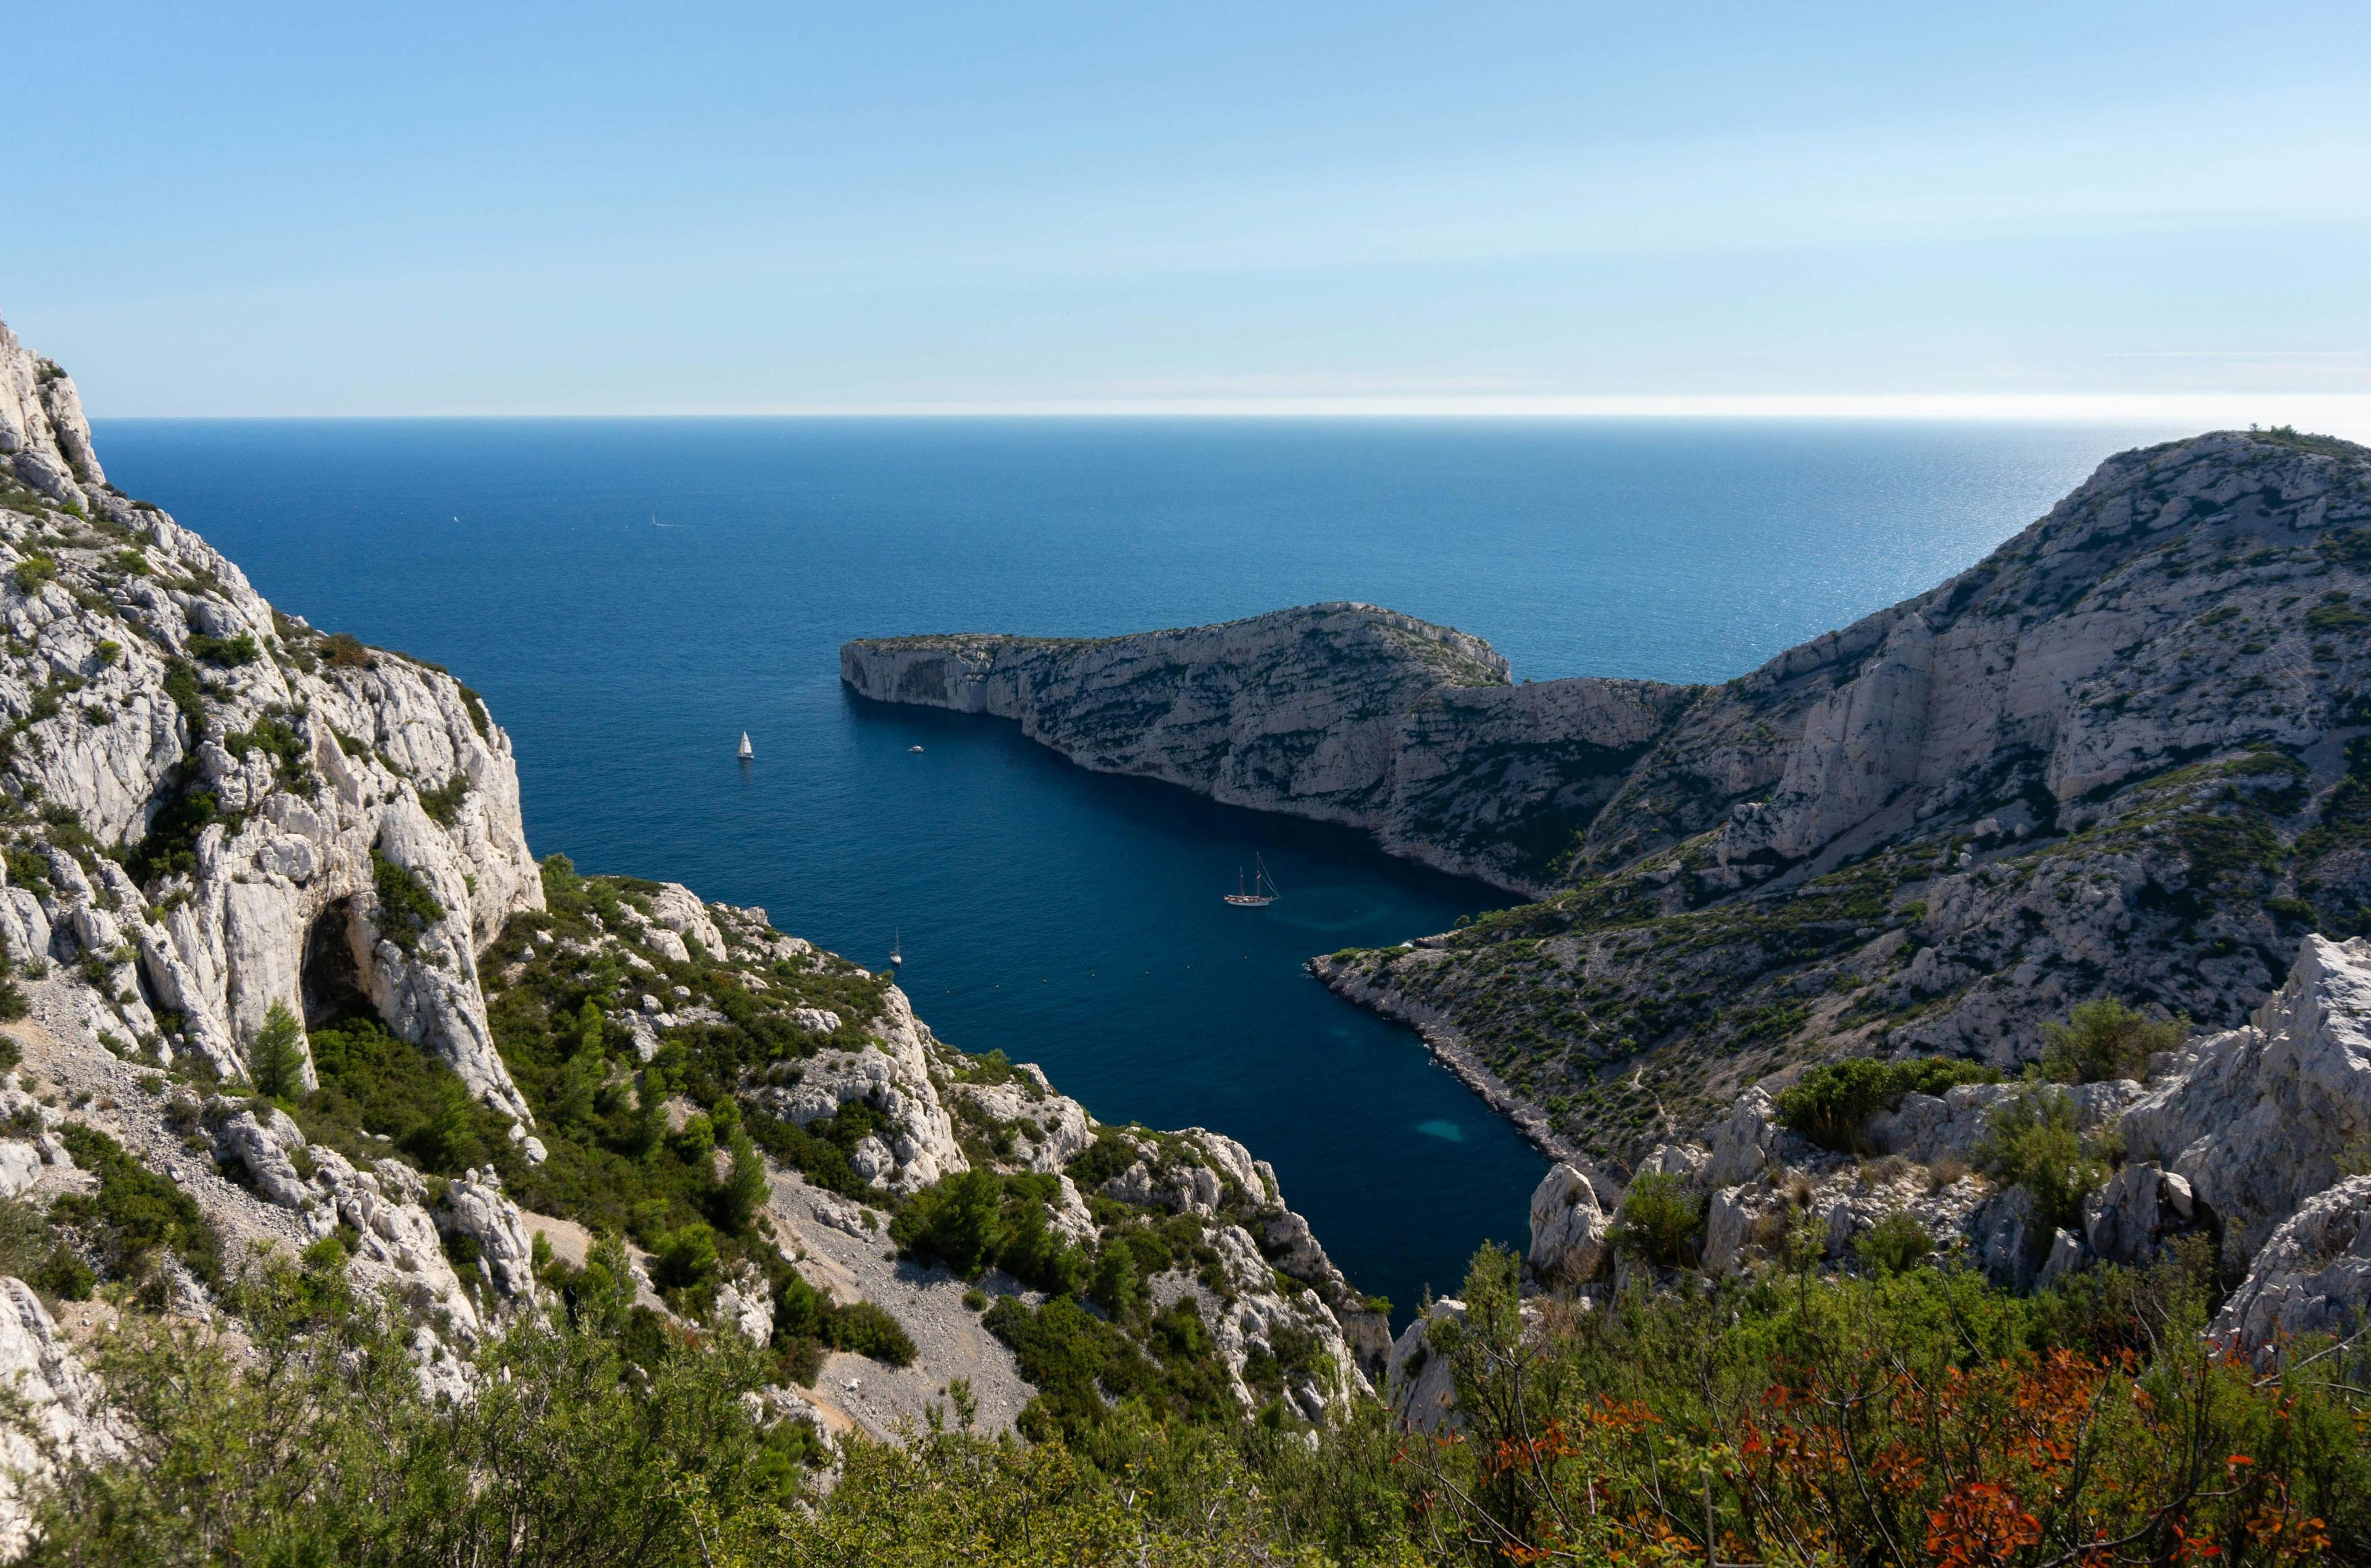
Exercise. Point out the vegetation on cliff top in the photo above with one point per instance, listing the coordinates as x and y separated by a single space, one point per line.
1908 1420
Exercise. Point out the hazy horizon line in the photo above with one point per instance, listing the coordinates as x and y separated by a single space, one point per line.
2332 413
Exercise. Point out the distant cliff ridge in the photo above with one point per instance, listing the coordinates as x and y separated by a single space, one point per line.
1343 712
2127 752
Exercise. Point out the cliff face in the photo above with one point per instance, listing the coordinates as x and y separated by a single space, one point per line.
202 793
1342 712
2113 757
211 812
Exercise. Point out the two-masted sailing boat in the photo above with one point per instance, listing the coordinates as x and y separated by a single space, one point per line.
1261 893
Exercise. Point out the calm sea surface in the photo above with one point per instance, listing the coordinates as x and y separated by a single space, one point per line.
1071 919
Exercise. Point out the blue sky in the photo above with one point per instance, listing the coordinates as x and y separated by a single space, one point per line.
585 208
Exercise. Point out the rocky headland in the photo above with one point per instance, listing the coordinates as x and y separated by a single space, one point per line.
1342 712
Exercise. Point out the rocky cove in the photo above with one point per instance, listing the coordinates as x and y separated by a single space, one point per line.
317 1067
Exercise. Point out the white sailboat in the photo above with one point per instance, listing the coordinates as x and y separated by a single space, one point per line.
747 750
1260 894
896 948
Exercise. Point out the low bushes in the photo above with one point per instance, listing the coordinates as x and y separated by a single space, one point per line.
1830 1103
1660 1222
981 1219
2031 1141
2104 1039
134 1216
406 906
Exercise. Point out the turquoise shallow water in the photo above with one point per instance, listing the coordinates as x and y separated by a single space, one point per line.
1068 919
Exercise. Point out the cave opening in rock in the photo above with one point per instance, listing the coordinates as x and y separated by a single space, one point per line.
331 981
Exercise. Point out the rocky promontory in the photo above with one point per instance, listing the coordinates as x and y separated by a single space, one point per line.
1341 712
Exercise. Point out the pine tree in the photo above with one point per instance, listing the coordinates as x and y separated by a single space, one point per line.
275 1058
744 1192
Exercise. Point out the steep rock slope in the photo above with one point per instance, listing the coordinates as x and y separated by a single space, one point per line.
1342 712
203 796
2123 753
281 976
2235 1150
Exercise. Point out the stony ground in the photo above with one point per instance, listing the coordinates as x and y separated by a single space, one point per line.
928 1304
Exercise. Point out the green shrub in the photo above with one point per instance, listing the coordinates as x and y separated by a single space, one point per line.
476 707
170 844
406 906
2031 1141
866 1330
442 803
13 1005
135 1214
372 1082
187 693
1895 1242
34 572
804 1313
277 739
1660 1222
687 1264
1831 1103
2104 1039
978 1220
1089 1374
231 650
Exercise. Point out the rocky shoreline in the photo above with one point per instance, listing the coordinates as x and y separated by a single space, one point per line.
1452 1052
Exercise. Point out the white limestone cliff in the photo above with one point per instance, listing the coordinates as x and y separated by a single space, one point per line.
151 688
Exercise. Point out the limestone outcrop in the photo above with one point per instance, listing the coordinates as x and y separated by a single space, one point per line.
55 1415
2238 1150
1568 1242
1272 1276
2257 1119
301 819
2313 1277
229 837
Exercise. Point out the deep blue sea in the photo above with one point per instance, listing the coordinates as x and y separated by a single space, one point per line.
1067 918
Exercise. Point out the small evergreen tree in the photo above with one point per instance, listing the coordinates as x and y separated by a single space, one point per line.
745 1190
275 1058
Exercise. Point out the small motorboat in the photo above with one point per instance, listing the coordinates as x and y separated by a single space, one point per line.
912 751
1260 894
747 750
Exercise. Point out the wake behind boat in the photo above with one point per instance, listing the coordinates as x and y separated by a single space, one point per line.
1261 893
